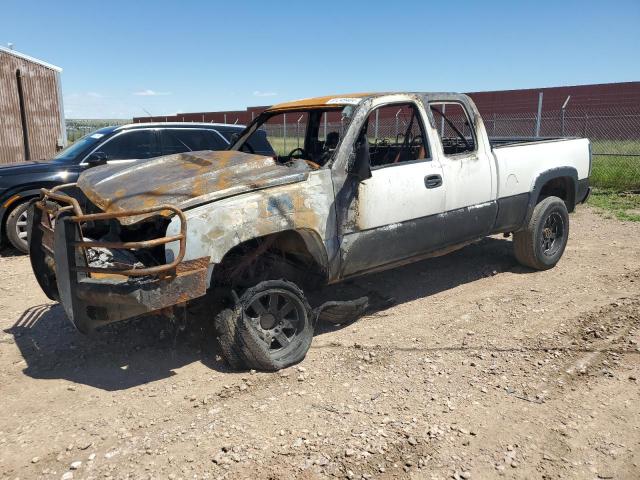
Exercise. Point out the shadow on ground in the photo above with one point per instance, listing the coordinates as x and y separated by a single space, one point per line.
116 357
485 258
8 251
136 352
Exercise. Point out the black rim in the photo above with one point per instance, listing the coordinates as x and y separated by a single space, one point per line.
552 234
277 316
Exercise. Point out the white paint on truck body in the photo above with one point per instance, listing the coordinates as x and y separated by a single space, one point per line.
519 165
398 193
469 177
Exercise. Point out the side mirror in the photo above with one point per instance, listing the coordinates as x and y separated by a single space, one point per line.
97 158
359 161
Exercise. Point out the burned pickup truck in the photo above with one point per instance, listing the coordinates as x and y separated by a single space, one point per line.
374 181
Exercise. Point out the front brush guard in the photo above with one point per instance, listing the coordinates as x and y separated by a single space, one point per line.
96 296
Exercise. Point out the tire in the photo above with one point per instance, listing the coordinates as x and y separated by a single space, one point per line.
16 227
269 328
225 324
541 244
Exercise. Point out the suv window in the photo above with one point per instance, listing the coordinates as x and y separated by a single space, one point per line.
180 140
259 143
129 145
454 127
395 134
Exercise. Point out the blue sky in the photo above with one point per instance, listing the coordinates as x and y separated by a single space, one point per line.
121 58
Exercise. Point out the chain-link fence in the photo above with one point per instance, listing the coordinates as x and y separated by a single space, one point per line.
614 135
79 128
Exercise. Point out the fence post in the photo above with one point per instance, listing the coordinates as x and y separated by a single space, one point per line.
494 125
225 118
586 121
298 129
398 122
326 114
444 109
564 105
539 114
284 133
377 118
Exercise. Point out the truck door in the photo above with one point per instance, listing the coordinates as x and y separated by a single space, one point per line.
395 213
466 161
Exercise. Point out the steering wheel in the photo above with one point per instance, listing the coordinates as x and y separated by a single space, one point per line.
300 153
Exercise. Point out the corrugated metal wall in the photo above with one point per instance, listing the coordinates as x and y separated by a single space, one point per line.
41 105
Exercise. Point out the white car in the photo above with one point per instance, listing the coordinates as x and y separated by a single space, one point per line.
257 231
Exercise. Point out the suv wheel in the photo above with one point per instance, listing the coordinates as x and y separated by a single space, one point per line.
269 328
16 227
541 244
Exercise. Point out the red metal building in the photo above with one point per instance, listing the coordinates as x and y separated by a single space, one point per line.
583 98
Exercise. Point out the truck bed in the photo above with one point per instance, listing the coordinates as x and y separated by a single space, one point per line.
502 141
520 161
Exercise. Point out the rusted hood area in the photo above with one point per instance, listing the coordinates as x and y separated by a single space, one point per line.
183 180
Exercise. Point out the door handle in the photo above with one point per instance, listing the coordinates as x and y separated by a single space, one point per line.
432 181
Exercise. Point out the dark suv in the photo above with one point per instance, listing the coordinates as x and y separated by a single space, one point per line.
20 182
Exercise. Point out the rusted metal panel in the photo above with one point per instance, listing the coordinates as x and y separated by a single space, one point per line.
307 207
184 180
63 203
106 295
42 108
319 101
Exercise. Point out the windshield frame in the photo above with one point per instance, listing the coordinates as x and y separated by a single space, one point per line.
263 117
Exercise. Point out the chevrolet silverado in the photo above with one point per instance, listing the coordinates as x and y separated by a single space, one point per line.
264 230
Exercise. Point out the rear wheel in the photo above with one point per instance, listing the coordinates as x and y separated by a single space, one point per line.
16 227
269 328
541 244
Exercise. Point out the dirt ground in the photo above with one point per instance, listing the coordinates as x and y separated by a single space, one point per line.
478 369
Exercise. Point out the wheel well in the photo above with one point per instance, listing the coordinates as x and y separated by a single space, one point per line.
286 255
561 187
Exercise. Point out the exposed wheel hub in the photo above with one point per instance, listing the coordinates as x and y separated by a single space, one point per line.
552 234
268 321
276 316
